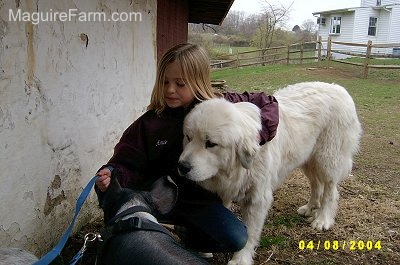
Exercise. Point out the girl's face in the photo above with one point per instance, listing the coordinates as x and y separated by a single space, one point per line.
176 92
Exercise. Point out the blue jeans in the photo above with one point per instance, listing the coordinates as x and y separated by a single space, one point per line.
210 227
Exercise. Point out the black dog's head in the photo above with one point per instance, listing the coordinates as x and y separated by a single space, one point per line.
160 199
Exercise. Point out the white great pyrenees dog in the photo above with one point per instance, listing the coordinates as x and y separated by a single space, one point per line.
318 131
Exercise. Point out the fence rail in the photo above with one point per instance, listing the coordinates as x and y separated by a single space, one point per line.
368 54
270 55
309 51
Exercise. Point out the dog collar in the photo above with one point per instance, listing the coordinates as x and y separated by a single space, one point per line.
137 223
127 226
131 210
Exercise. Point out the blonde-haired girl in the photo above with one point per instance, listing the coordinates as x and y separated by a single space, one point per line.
190 66
150 148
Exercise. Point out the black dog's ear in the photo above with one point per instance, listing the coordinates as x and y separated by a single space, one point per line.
113 191
164 194
114 186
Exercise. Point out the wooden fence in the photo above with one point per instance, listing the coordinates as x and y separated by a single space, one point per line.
298 52
366 56
308 51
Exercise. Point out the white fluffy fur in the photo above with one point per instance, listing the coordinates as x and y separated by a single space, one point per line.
318 131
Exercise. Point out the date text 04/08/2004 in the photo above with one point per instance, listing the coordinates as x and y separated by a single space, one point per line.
351 245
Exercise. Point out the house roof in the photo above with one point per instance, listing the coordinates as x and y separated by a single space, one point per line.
208 11
353 9
343 10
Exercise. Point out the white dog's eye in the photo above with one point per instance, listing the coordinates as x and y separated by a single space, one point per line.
188 138
210 144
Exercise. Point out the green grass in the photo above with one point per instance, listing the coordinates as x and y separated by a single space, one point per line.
289 221
256 78
267 241
382 61
226 49
226 52
279 55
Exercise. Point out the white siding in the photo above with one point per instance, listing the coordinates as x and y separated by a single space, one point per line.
390 2
355 26
64 103
362 16
323 30
383 27
346 30
382 32
383 2
394 35
347 25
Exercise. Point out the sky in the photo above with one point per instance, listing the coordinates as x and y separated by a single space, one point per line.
301 9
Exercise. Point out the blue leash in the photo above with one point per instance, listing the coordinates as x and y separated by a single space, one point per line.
50 256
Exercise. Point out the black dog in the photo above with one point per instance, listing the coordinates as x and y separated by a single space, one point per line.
132 234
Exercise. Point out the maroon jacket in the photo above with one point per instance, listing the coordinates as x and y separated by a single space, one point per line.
151 146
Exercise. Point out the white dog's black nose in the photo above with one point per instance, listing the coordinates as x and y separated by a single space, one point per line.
184 167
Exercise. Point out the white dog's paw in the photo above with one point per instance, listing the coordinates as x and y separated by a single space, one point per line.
241 258
305 210
321 221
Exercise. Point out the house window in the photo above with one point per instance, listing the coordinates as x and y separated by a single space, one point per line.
378 2
335 25
372 26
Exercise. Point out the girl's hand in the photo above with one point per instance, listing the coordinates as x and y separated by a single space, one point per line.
104 179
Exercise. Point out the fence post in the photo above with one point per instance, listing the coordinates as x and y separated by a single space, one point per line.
288 55
367 56
301 52
328 50
319 50
264 57
237 59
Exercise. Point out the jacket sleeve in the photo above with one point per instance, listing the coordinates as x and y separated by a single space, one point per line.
269 111
130 155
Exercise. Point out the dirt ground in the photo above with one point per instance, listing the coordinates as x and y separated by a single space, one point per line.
367 215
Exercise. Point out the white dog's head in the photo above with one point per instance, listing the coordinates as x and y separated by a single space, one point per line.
219 136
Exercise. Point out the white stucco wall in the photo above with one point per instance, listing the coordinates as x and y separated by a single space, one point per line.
67 91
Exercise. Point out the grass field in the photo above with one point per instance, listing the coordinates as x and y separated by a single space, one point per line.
381 61
369 210
225 49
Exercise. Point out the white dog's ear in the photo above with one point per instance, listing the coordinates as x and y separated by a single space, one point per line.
246 151
250 122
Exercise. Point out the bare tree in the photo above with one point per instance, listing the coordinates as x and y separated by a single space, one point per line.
309 25
249 26
232 22
272 17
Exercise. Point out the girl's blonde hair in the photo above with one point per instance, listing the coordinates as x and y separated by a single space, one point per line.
195 68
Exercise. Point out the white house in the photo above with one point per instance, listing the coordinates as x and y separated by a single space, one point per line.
375 20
